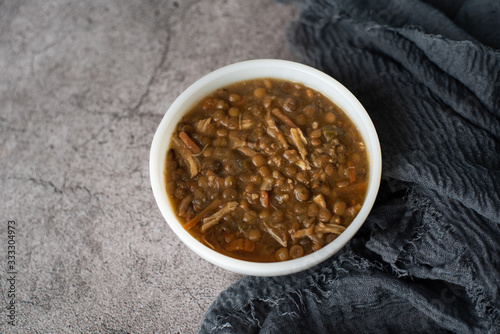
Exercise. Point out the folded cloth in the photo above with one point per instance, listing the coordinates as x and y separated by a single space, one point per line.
427 259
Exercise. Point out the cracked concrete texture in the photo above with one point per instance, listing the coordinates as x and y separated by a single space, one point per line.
84 84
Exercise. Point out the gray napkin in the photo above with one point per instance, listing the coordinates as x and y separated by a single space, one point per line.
427 259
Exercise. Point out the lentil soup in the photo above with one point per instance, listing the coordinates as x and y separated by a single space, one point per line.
266 170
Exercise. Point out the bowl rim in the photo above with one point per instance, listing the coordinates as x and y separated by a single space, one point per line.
247 70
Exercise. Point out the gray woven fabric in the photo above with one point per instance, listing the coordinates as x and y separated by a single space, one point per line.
428 258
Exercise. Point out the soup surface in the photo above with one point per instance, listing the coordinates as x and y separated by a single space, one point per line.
266 170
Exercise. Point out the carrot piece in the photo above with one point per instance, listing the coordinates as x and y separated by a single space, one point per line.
284 118
235 245
241 245
248 245
189 143
353 189
264 198
202 214
352 172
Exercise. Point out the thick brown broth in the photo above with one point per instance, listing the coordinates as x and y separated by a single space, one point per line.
266 170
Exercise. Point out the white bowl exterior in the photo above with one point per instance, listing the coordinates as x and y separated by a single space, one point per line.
247 70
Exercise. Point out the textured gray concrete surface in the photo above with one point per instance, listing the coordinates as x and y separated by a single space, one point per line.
83 86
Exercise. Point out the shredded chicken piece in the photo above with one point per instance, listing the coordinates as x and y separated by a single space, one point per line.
313 231
235 141
303 164
320 200
192 163
214 219
247 151
299 140
315 160
184 206
215 204
293 157
310 232
303 233
281 240
274 131
330 228
246 124
267 184
202 125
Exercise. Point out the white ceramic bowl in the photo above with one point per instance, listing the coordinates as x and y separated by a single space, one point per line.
247 70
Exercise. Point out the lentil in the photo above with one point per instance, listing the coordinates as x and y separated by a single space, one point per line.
282 254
